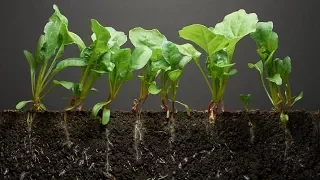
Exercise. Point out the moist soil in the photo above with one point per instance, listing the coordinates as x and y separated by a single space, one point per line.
196 150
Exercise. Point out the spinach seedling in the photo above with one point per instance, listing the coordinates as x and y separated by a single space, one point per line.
277 71
43 65
153 40
175 58
246 99
120 64
219 43
106 41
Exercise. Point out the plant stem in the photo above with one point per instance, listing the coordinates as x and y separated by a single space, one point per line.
204 76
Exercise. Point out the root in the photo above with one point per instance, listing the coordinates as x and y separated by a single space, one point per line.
288 139
65 126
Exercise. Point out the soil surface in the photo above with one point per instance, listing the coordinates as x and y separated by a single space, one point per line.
156 149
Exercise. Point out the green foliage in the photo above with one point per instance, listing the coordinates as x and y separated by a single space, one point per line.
219 43
246 99
277 71
43 64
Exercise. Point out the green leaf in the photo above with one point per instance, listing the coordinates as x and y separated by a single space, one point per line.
57 16
39 53
21 104
296 99
245 98
52 41
77 40
276 79
171 53
71 62
140 57
31 61
152 39
117 39
66 84
236 25
96 108
258 66
184 61
265 38
189 50
122 61
174 75
283 67
232 72
43 107
153 88
94 89
160 65
105 116
284 117
198 34
102 37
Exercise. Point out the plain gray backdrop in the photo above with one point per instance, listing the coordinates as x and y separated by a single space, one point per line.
296 22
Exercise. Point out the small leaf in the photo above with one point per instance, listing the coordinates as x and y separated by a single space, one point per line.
105 116
174 75
188 110
245 98
21 104
189 50
296 99
31 61
258 66
276 79
232 72
140 57
94 89
43 107
66 84
96 108
153 88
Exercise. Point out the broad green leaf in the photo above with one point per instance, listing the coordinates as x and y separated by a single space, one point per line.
152 39
66 84
39 53
122 61
265 38
258 66
156 54
52 41
275 79
171 53
105 116
31 61
153 88
189 50
236 25
96 108
21 104
117 39
102 37
140 57
107 66
57 16
198 34
174 75
296 99
71 62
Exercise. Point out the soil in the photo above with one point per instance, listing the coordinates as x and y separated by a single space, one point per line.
196 150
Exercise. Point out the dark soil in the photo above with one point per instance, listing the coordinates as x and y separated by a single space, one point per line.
199 150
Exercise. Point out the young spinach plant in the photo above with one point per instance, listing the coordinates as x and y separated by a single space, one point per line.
106 41
219 43
153 40
246 99
175 58
277 71
43 64
120 64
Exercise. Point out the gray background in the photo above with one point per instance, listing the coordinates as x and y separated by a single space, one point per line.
296 22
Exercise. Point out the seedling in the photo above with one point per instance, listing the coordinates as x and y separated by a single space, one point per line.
175 58
246 99
277 71
153 40
120 64
43 64
219 43
106 40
